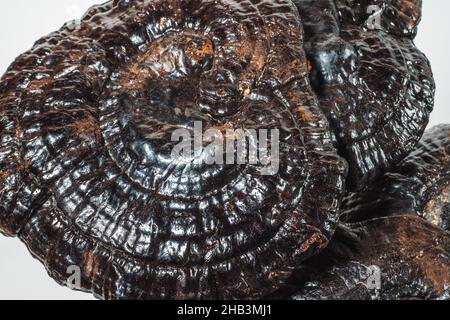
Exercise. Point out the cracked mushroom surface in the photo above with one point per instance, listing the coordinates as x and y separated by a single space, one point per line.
374 85
418 185
393 258
87 177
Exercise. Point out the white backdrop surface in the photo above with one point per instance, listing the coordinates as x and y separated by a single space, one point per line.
24 21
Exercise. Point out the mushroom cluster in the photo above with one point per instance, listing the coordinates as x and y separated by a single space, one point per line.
230 149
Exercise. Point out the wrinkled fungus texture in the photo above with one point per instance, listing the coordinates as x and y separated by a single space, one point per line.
418 185
395 258
374 85
86 173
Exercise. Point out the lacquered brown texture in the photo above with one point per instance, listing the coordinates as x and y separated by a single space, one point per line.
383 259
86 176
419 185
374 85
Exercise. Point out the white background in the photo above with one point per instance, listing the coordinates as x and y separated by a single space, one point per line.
24 21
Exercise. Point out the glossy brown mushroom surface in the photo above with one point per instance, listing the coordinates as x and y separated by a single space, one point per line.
87 176
419 185
395 258
374 85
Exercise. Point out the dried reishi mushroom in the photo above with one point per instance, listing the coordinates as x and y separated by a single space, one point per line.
86 173
392 258
419 185
375 86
